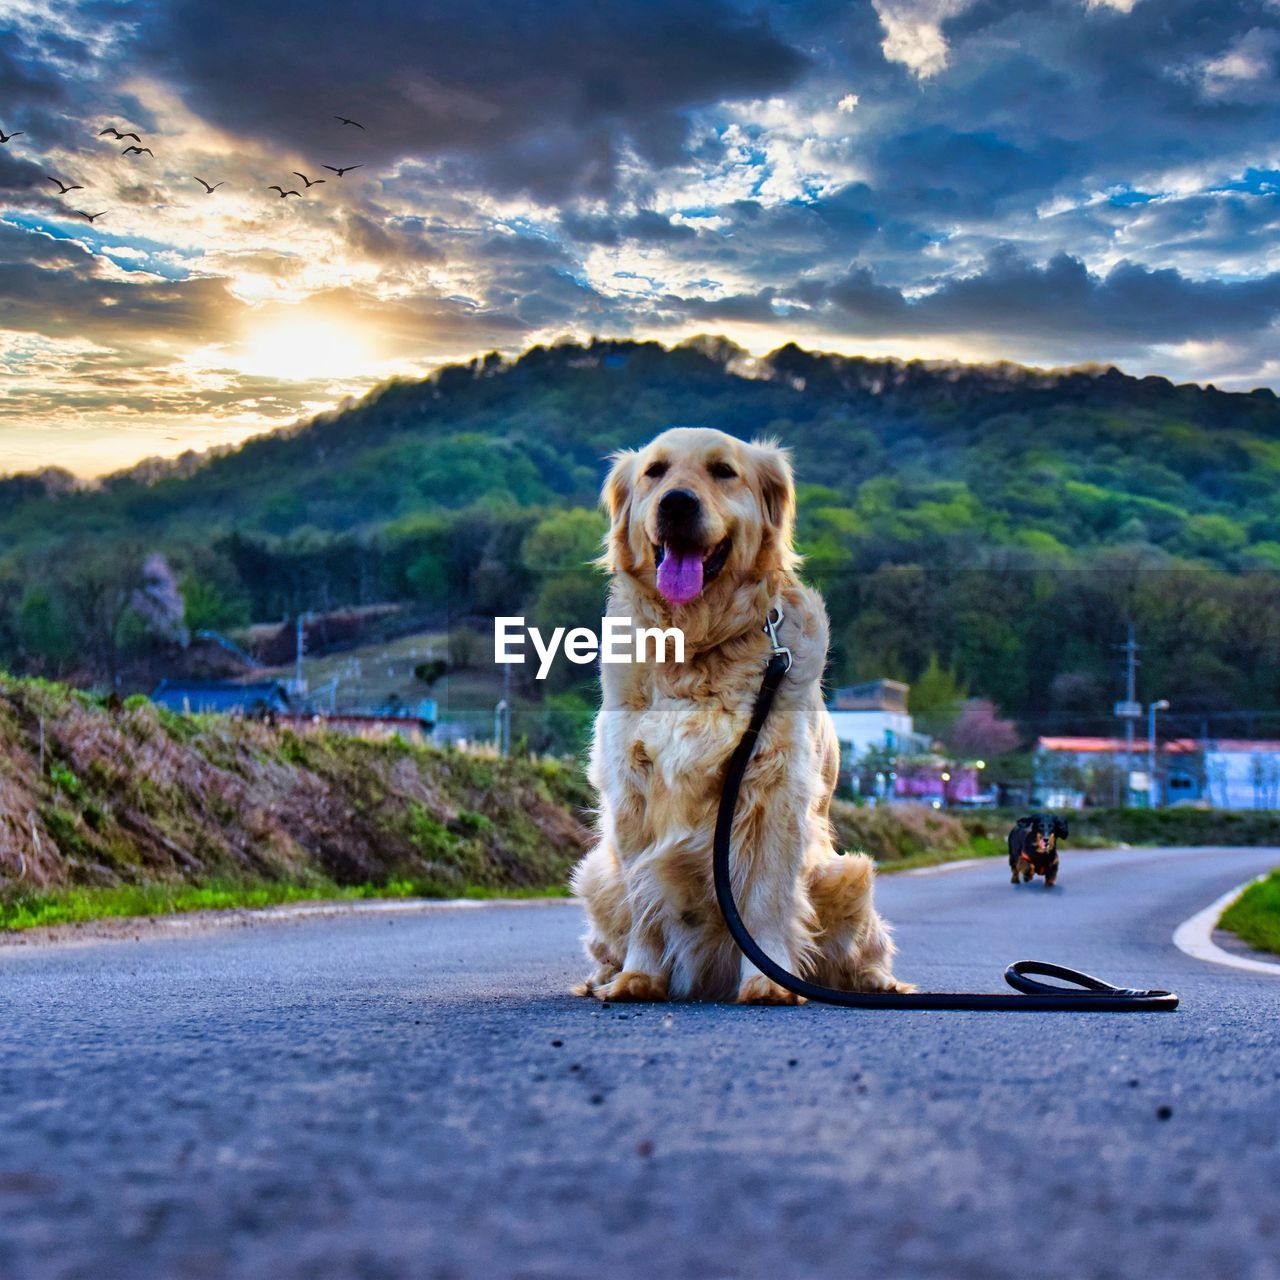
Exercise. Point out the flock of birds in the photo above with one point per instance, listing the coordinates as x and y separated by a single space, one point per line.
136 148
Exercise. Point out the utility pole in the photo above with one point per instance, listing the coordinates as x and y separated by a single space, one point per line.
300 639
1161 705
506 715
300 645
1130 709
502 714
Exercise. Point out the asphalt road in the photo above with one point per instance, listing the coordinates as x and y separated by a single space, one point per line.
413 1095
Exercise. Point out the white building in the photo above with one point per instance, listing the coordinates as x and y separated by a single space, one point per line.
874 715
1224 773
1242 774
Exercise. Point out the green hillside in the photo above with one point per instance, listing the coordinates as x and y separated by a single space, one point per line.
1008 522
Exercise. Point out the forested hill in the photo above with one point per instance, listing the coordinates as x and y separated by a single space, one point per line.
954 454
431 489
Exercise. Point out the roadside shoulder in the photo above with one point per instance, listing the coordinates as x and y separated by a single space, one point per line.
1195 936
185 924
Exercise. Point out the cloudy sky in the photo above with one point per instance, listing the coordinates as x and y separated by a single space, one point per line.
1051 181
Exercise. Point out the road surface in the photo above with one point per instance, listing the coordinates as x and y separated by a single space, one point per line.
379 1096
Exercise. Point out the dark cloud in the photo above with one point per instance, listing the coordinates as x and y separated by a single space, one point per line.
1013 301
19 175
391 239
940 172
27 74
537 97
1013 298
754 308
1128 86
642 227
59 289
1213 227
546 296
878 307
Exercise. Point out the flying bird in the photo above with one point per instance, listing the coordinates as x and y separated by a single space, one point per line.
340 172
117 135
311 182
283 193
209 190
88 217
345 120
17 133
64 187
139 150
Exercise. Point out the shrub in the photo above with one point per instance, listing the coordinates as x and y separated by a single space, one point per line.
890 833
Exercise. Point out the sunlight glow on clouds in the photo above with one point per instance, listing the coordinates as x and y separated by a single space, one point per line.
300 349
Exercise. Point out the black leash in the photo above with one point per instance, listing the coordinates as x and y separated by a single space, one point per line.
1093 995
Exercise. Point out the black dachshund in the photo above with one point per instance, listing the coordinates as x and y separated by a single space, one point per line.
1033 848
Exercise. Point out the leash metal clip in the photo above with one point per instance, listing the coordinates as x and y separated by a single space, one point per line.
773 620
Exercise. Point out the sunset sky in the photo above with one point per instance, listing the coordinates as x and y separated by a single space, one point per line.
1050 181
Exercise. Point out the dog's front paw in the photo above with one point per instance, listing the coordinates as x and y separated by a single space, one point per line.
631 984
588 986
876 979
762 990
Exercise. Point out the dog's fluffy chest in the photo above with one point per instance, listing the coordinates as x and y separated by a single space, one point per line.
683 740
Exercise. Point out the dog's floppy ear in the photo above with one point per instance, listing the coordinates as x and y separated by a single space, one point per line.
1024 822
777 491
615 497
1060 828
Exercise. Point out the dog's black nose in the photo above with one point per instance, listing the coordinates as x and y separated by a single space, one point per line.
678 507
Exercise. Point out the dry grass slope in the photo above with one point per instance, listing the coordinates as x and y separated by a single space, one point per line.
131 794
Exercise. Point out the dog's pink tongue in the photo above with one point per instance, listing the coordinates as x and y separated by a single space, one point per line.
680 575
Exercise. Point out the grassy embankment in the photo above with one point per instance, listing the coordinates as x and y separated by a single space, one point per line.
131 810
1254 917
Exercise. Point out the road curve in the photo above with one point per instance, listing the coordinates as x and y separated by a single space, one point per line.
414 1095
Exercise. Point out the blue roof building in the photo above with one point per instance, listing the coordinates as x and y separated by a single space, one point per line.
196 697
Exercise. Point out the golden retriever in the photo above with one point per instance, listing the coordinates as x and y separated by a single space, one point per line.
701 538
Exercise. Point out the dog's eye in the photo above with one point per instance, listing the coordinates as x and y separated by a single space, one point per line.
721 470
656 470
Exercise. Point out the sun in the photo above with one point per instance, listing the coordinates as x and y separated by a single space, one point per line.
303 349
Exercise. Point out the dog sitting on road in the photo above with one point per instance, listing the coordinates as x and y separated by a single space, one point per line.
1033 848
701 539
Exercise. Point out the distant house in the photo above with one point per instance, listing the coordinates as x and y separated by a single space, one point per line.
198 697
1225 773
874 716
1242 773
882 755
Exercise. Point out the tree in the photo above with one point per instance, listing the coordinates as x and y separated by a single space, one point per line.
936 699
427 577
98 590
570 590
159 603
567 541
430 671
44 631
210 606
979 733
